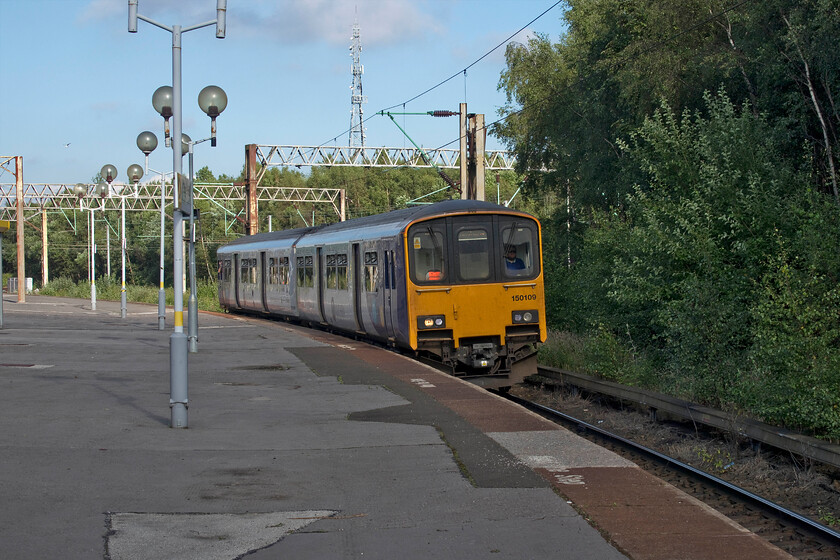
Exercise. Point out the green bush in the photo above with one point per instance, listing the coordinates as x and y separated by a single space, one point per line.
718 282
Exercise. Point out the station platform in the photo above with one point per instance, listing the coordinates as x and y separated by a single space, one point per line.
301 444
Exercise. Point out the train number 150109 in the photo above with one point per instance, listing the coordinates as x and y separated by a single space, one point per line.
524 297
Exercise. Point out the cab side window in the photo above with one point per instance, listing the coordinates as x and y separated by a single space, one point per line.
520 257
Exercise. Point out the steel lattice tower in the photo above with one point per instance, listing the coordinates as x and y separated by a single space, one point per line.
357 131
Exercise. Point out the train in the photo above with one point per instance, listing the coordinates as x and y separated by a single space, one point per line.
457 282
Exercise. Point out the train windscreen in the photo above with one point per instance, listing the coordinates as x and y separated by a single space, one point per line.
474 249
428 252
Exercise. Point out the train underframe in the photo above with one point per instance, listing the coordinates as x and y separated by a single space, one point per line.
484 360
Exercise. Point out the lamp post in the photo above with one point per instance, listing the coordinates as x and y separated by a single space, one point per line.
135 173
192 306
101 191
80 191
178 372
147 142
108 174
212 100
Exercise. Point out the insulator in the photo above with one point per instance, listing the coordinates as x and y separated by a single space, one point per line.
443 113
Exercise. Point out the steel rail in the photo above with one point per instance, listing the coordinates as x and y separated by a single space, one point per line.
747 496
779 438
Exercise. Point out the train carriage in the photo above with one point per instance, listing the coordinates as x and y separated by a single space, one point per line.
459 282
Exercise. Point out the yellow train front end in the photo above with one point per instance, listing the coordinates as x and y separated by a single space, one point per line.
475 294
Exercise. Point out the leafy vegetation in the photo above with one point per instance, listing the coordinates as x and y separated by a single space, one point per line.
698 142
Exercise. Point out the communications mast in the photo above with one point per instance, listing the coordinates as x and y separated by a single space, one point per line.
357 131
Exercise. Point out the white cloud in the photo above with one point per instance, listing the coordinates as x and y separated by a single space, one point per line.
298 22
167 12
331 21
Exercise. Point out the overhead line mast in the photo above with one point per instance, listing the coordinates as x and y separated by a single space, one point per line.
357 131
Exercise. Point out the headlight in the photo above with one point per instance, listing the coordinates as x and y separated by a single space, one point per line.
526 316
431 322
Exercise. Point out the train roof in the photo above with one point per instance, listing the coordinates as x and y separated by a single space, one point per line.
292 234
405 216
395 220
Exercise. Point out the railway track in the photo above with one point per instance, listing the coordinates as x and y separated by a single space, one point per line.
796 534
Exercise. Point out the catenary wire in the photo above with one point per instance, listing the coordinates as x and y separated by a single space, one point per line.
455 75
650 48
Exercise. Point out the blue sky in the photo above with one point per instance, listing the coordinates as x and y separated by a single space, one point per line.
76 87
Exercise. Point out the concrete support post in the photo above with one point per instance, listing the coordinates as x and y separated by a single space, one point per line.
252 221
21 260
45 249
3 227
479 135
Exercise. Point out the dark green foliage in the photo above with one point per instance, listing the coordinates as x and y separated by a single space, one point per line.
722 272
727 266
705 229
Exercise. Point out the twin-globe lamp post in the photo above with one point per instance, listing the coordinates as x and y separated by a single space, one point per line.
135 173
212 100
178 373
108 173
80 191
101 190
147 142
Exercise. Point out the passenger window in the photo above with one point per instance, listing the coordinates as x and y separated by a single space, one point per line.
305 275
341 271
427 246
473 254
331 272
300 272
519 242
309 272
371 271
283 273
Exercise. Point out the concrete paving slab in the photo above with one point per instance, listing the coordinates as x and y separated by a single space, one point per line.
208 536
557 450
87 457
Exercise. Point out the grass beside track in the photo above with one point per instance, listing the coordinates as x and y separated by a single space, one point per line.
109 289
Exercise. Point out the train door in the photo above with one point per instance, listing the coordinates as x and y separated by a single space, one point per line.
391 304
235 275
320 271
356 268
263 277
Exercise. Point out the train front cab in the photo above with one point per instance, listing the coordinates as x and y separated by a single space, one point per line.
475 294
